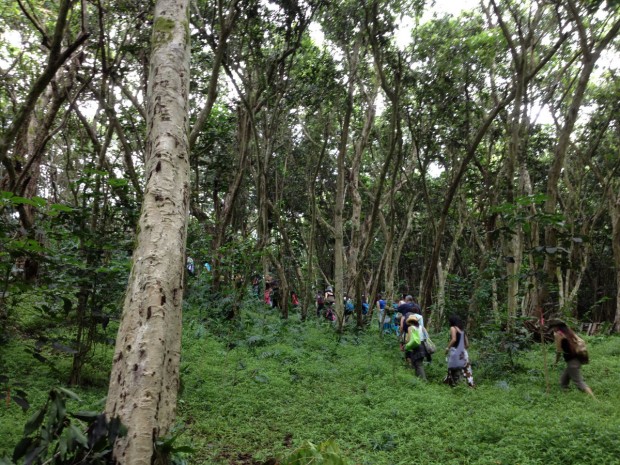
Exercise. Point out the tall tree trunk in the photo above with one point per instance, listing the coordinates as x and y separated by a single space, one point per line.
443 271
340 194
309 290
145 373
591 50
615 217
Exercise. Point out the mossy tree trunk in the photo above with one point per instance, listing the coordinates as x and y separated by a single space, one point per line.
145 372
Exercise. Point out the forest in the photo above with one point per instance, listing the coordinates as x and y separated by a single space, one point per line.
162 161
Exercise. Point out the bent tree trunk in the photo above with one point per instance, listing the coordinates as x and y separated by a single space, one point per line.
145 372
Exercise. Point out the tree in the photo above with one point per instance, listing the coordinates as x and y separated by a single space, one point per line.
145 373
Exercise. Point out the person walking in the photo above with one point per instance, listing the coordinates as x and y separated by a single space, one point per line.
405 308
415 351
458 358
567 345
267 294
330 300
320 303
385 315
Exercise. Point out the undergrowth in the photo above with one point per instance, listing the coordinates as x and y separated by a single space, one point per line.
257 389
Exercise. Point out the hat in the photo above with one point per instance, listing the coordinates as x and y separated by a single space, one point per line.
411 319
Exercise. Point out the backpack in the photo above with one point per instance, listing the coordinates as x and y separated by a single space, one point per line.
580 349
412 339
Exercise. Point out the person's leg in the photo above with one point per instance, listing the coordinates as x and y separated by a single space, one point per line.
418 365
454 374
469 375
564 378
573 369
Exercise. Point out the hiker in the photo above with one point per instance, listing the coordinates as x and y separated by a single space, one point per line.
384 319
320 303
423 333
572 347
275 295
190 265
395 319
458 358
294 300
405 309
415 350
349 307
330 299
256 284
267 294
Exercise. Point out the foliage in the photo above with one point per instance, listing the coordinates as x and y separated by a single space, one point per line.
298 382
55 436
326 453
167 452
501 352
12 391
83 275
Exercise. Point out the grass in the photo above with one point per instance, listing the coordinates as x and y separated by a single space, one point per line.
257 391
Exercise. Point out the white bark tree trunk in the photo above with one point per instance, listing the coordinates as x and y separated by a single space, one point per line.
145 372
442 274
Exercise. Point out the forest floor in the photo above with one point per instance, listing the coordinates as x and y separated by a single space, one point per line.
262 388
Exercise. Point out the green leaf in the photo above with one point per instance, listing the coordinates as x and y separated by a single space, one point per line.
21 448
23 201
78 436
117 182
69 393
184 449
35 421
84 415
23 403
62 445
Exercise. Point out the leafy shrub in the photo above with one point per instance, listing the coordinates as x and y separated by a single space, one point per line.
501 351
55 436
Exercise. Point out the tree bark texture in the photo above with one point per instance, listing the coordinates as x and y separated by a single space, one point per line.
145 373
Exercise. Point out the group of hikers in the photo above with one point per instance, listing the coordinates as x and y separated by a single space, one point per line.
404 319
271 294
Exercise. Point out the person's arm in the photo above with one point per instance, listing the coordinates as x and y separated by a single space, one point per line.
557 337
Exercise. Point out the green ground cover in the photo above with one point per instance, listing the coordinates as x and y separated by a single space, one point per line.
262 388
